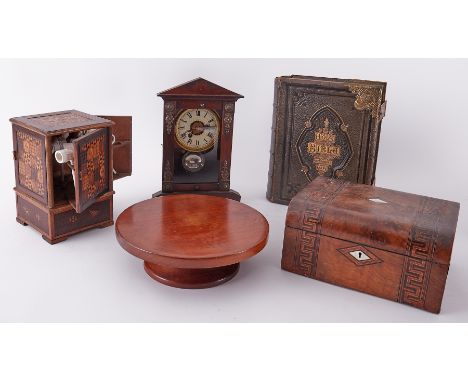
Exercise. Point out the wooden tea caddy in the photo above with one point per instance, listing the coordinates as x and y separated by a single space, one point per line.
383 242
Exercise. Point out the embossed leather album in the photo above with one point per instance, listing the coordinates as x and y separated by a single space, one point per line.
323 127
386 243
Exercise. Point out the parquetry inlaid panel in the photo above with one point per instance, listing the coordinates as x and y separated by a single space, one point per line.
64 119
31 162
59 121
92 168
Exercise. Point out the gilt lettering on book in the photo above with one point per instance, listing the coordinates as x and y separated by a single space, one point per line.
324 147
323 127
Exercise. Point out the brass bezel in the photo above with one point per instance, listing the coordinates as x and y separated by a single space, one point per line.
191 149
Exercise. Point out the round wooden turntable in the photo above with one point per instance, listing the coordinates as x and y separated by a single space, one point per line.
191 241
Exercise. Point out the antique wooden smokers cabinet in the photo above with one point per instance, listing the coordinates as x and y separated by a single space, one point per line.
65 164
386 243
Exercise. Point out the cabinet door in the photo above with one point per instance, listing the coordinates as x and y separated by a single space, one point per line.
91 164
122 147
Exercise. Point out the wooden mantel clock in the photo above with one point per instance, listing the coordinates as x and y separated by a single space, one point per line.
197 141
65 165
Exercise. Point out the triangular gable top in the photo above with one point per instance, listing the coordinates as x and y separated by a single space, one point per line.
199 87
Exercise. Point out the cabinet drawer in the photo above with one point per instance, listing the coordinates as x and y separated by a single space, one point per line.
70 221
32 215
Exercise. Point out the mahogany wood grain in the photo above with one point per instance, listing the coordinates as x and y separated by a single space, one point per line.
191 241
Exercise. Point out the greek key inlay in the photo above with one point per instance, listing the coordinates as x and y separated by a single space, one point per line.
311 226
306 260
421 247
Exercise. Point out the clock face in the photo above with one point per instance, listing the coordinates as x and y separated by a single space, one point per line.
197 129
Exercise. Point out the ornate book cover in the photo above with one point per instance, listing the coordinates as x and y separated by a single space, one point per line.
323 127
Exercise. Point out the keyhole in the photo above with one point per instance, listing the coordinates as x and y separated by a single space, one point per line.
359 255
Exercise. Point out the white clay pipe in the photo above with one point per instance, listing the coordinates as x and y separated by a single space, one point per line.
66 154
113 142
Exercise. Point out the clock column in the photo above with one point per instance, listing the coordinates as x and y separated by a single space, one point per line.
168 158
226 146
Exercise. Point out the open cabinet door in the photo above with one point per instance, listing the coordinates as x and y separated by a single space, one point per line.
91 163
122 147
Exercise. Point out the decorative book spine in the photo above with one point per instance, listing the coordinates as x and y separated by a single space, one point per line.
271 193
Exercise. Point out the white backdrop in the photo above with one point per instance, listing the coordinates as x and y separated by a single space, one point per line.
90 278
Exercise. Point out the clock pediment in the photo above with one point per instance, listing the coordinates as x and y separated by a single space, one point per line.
199 88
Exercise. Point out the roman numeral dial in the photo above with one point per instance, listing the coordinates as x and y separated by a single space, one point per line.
197 129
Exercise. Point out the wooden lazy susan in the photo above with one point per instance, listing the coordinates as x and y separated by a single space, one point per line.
191 241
